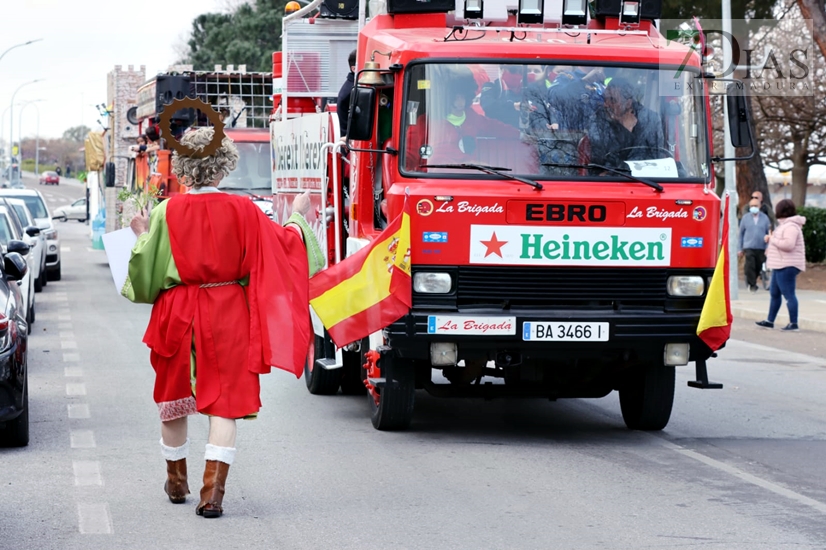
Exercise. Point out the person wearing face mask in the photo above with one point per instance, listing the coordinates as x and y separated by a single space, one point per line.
754 227
501 99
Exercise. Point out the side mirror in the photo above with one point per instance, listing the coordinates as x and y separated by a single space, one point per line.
32 231
738 116
17 246
362 113
15 266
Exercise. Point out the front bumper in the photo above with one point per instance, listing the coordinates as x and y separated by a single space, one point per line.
632 335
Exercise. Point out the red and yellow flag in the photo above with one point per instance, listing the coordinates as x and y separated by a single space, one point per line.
715 319
368 290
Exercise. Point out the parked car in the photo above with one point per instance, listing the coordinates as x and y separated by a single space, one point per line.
34 238
12 233
49 178
37 205
14 380
74 211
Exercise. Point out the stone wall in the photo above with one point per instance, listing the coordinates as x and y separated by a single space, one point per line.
121 95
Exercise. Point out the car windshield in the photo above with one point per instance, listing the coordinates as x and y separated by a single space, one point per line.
36 206
554 121
22 213
5 230
253 171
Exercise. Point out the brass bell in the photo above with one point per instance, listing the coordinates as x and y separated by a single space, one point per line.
373 77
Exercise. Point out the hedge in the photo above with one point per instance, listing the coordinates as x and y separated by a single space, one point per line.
814 233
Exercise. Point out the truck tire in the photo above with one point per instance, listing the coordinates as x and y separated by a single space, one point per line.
320 381
647 398
16 432
394 410
352 381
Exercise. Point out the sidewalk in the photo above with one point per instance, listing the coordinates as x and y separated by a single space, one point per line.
755 307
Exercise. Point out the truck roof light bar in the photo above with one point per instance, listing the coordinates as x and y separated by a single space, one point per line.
530 11
630 13
574 12
474 9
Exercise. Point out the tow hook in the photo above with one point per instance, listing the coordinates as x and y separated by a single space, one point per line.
373 371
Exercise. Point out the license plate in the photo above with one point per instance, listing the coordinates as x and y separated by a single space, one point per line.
564 331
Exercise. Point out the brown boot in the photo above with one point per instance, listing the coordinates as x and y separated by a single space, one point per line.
176 486
212 494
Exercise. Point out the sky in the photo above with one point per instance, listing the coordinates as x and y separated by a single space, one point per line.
82 42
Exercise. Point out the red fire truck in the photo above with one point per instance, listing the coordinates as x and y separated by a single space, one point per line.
564 225
244 100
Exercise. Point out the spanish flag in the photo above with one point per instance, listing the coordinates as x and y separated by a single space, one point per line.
368 290
715 319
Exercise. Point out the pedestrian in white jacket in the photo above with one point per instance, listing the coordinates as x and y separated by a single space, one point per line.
786 257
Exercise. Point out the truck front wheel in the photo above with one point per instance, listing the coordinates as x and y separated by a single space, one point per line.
321 381
647 397
394 410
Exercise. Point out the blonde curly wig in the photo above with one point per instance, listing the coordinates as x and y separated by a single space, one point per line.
202 172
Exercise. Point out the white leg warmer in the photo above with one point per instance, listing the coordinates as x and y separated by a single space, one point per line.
221 454
175 453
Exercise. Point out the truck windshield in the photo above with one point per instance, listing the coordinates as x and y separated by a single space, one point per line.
549 121
253 170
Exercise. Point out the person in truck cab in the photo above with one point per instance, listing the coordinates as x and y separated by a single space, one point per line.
623 129
501 99
462 135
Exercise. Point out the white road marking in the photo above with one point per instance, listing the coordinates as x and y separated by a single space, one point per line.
83 439
67 335
72 372
74 389
94 519
71 357
68 344
64 317
65 249
87 473
78 410
64 326
745 476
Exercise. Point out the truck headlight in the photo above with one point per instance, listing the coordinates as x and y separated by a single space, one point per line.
685 285
432 283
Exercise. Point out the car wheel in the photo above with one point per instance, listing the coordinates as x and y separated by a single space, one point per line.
38 283
43 276
16 432
54 275
64 219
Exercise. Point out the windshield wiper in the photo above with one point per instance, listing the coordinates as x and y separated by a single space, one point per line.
623 173
495 170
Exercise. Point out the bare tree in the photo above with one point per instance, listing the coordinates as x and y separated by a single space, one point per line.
816 11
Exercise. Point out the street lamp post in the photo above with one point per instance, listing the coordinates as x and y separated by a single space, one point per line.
11 113
19 45
37 134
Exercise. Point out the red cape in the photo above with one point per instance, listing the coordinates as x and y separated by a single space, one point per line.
239 332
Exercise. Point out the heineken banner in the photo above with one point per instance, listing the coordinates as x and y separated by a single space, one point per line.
608 246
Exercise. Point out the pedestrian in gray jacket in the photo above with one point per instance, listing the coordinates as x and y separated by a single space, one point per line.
754 226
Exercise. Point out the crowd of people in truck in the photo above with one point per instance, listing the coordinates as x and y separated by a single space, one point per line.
550 120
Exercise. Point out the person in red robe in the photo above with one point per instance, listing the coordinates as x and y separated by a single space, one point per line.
229 290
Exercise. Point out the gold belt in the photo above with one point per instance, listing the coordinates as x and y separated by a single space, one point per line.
211 285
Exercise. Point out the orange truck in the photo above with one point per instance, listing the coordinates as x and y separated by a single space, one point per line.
244 101
559 167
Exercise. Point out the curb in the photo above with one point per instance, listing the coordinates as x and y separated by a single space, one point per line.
744 313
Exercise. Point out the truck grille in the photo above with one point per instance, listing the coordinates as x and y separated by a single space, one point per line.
556 288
